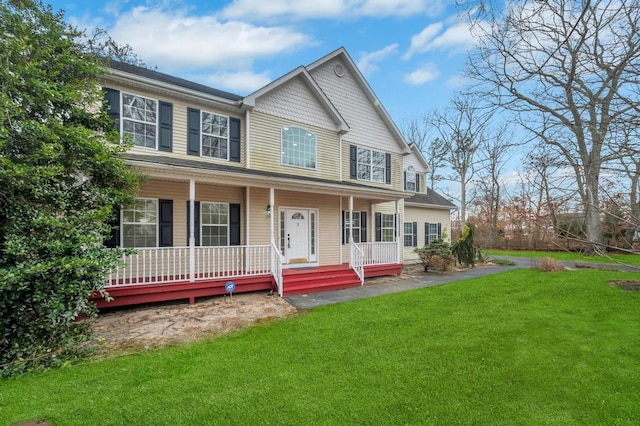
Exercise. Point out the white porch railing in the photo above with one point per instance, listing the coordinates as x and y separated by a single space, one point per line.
379 253
276 268
356 260
170 264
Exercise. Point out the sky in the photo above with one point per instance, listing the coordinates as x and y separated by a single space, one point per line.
412 52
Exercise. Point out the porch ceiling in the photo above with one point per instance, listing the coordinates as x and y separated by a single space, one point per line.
183 169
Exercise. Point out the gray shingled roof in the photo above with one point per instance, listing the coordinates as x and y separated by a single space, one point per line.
197 164
166 78
431 198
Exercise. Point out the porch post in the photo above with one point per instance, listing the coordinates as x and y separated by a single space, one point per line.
351 218
397 218
192 231
273 213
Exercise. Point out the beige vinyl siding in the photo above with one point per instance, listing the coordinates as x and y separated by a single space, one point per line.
179 144
296 101
258 219
423 215
179 193
266 148
397 170
361 113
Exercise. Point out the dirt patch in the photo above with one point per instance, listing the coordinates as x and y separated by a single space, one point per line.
132 329
626 285
148 326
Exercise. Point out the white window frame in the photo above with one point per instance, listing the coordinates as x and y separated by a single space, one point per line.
124 224
356 230
433 232
410 179
383 228
408 234
203 134
302 143
204 225
135 120
370 165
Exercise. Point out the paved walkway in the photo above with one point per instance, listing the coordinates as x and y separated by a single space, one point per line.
329 297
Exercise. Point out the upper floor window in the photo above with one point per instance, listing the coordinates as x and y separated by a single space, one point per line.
215 135
140 119
410 179
371 165
298 147
140 223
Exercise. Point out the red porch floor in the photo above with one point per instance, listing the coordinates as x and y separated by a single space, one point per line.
295 281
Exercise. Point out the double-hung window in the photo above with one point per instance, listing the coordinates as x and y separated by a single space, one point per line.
215 135
356 226
433 232
387 227
140 223
410 179
371 165
410 234
298 147
140 119
214 224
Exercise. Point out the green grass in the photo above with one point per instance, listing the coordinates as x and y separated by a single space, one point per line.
523 347
625 259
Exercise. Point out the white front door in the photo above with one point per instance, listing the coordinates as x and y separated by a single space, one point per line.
297 235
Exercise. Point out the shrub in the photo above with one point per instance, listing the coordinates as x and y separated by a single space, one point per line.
436 255
549 264
464 248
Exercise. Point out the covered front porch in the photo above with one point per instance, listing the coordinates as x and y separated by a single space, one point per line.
174 273
270 232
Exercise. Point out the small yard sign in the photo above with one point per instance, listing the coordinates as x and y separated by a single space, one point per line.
230 286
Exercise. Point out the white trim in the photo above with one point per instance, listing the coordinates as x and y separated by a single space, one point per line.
315 154
340 228
123 118
202 134
227 226
316 261
157 200
247 216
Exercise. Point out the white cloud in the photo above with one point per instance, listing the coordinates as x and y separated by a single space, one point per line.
455 38
456 82
305 9
243 82
422 75
367 61
175 41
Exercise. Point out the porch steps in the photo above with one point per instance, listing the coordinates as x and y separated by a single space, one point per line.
315 280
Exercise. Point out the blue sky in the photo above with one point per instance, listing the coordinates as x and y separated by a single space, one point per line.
412 52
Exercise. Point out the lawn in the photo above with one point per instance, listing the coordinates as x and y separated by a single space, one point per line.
523 347
615 258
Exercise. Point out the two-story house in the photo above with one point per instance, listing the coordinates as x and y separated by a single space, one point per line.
298 187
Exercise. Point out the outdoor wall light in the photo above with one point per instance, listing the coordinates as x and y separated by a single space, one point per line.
268 210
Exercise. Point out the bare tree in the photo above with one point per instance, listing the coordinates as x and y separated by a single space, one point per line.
104 46
420 132
568 69
493 155
461 129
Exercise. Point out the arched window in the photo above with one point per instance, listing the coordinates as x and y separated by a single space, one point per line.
298 147
410 179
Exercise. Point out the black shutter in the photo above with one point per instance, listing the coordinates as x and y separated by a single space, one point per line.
344 228
353 162
439 230
193 131
166 223
196 220
417 182
363 227
234 140
234 224
114 241
405 180
387 173
415 234
166 127
426 234
112 97
378 226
